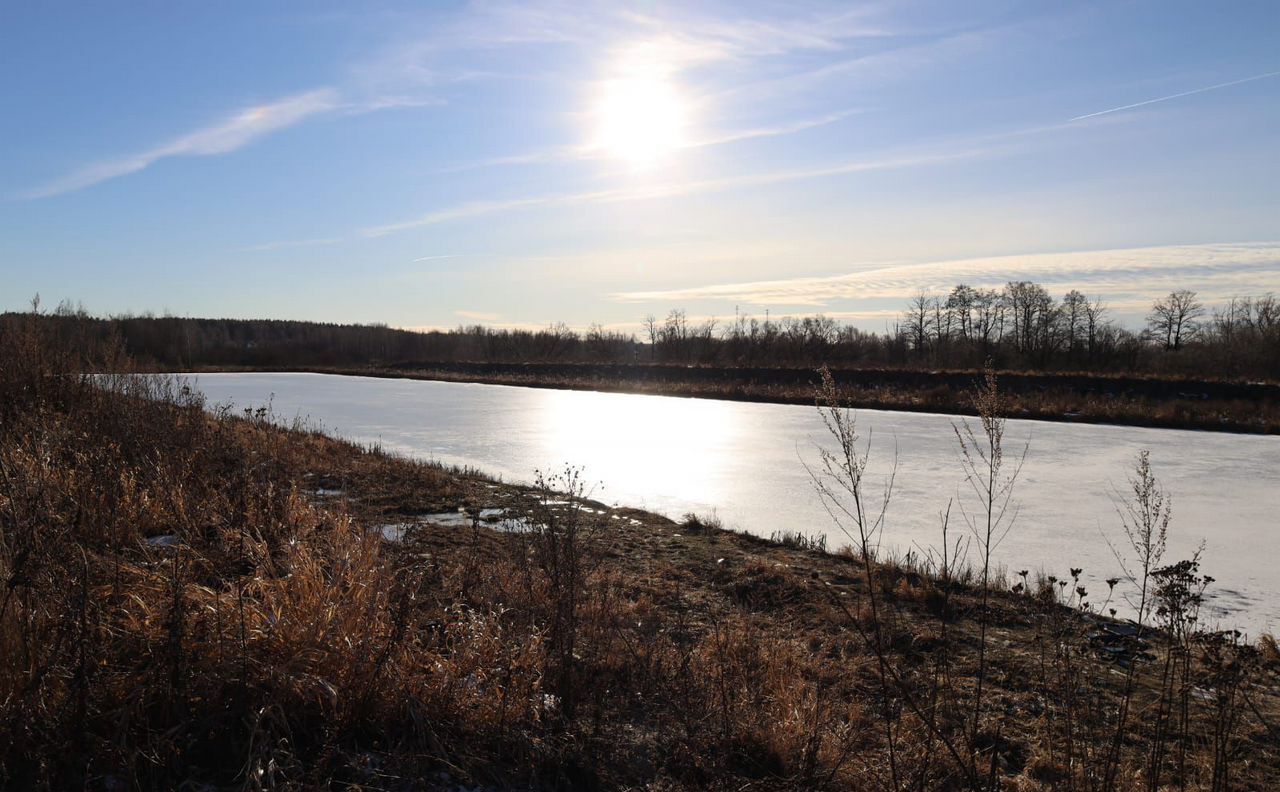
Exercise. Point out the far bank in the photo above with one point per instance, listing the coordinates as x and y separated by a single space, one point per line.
1210 405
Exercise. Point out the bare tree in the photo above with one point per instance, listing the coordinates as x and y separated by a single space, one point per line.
1175 318
1075 308
651 330
1034 317
703 337
919 321
674 334
1094 324
960 304
989 318
941 325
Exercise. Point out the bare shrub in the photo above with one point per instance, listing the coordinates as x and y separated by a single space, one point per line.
991 482
557 554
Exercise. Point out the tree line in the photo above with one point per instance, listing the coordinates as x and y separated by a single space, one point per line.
1021 326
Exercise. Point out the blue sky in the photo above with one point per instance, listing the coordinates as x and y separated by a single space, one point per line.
426 165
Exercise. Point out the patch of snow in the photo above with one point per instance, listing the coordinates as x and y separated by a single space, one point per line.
394 532
518 525
447 519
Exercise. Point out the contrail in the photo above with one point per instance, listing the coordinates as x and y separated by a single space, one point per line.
434 258
1177 95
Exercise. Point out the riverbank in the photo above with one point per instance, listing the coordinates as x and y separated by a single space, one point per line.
216 600
1208 405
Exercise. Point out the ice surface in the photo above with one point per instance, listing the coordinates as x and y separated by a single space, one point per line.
743 461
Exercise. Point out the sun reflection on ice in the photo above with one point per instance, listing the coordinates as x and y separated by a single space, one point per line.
671 447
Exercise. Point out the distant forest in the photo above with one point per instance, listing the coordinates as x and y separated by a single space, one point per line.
1020 327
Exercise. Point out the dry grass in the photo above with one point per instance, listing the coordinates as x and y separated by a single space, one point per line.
178 606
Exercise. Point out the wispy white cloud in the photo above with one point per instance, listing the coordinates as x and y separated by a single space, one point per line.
389 102
770 131
686 35
671 189
815 32
556 154
956 150
1177 95
476 209
229 134
585 152
902 58
479 316
1218 270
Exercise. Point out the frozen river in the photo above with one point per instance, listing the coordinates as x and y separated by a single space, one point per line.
743 462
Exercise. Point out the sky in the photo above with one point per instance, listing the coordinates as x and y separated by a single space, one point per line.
517 164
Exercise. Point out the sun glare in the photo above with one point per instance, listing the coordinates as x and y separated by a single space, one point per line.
639 119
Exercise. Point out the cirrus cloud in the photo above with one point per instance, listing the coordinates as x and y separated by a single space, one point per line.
1217 270
229 134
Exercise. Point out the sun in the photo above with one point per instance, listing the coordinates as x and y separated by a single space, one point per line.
639 119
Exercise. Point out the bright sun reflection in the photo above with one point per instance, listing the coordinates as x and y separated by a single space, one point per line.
640 116
664 447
